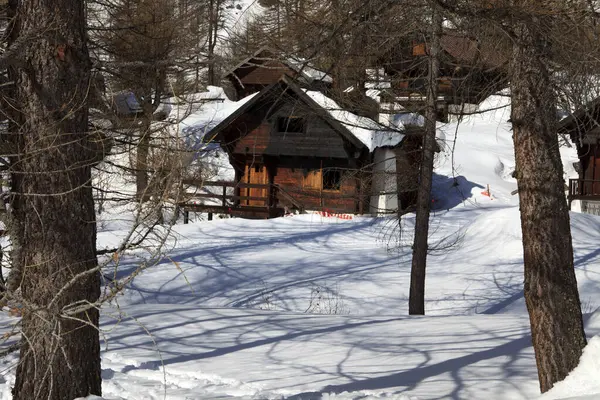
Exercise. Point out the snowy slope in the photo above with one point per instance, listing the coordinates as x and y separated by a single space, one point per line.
197 114
192 118
237 15
309 307
208 353
484 153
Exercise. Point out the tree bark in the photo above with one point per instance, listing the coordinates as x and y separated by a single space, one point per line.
151 98
213 31
141 161
416 301
13 137
550 286
60 348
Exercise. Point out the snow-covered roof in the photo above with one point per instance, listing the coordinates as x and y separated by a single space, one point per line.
300 65
371 133
375 94
377 79
409 118
312 74
209 114
201 112
126 103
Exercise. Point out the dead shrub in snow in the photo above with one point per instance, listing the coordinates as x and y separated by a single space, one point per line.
322 299
326 300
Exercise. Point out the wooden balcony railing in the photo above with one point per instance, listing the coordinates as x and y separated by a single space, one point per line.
216 195
219 197
581 189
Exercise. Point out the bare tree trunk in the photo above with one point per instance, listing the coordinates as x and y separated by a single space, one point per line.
213 30
416 302
142 165
141 161
550 285
60 350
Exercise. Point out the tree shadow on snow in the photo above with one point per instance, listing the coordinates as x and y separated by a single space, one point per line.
228 266
449 192
373 354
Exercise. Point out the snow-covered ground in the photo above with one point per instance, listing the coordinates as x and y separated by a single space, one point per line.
311 307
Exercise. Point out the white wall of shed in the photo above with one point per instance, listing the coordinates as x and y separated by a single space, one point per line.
384 193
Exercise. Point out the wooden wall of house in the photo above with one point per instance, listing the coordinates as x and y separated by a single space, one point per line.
264 74
585 133
304 186
264 138
590 170
302 179
591 163
318 139
255 142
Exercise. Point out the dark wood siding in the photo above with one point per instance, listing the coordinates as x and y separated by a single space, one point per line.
344 200
255 133
255 142
591 170
265 74
318 140
252 78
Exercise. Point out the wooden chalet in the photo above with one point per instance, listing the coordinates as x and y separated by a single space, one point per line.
583 127
283 138
290 152
265 66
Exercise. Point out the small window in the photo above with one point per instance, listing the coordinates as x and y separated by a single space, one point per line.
290 124
332 179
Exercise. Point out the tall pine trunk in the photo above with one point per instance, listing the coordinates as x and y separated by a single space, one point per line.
416 302
550 286
60 350
14 122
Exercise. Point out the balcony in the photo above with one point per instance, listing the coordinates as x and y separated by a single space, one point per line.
584 189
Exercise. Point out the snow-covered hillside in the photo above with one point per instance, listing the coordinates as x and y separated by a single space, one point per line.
237 14
312 307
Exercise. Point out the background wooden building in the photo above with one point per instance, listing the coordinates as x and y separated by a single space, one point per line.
265 67
583 127
470 71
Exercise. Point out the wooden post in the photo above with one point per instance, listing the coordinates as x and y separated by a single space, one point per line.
268 200
186 217
210 216
224 196
360 183
361 201
321 187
